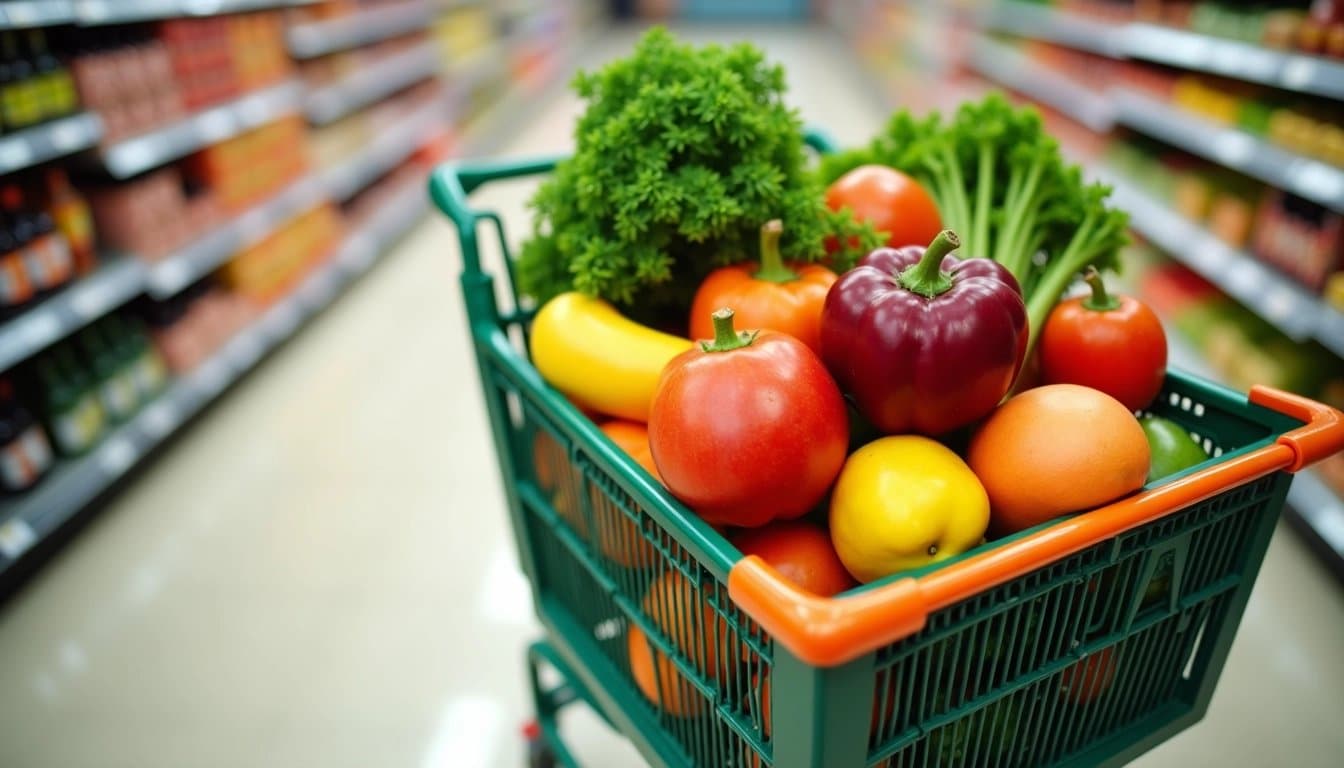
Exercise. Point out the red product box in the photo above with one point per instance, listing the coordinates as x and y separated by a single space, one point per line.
1300 238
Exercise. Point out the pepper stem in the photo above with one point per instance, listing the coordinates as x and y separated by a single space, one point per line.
726 338
927 278
772 268
1100 300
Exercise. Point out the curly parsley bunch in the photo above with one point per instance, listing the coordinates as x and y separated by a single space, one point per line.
681 155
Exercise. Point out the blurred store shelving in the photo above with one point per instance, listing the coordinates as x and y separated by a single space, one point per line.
185 184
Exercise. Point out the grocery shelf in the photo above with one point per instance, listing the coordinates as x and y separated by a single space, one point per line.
1330 329
1314 505
1010 68
1303 73
88 298
1236 149
36 13
371 83
484 135
387 150
129 157
41 143
94 12
187 265
1292 309
1291 71
25 520
1041 22
1311 503
316 38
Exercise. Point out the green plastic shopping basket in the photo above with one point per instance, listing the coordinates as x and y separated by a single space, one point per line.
1085 641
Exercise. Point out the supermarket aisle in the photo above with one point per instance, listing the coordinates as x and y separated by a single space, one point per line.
320 574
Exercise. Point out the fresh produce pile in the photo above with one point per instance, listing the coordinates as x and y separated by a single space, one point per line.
845 420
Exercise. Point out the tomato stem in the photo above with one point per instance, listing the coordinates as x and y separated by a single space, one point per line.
1100 300
726 338
772 269
927 278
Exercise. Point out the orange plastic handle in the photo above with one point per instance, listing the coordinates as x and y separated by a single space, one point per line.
1321 436
827 632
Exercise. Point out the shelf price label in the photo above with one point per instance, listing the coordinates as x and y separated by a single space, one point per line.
15 153
116 456
1297 72
1233 148
159 419
16 537
68 136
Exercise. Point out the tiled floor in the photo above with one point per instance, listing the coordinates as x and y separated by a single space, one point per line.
319 572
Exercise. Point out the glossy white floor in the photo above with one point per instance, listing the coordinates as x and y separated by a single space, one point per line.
319 572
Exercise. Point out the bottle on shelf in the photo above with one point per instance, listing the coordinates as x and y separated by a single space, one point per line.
25 451
46 255
70 211
71 406
150 371
20 100
115 380
55 86
16 289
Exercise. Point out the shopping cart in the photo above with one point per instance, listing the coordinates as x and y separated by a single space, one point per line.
1085 641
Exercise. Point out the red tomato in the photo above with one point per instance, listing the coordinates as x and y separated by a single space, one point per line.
1083 682
889 200
749 428
801 552
1108 342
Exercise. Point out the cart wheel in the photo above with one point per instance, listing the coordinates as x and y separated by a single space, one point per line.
539 753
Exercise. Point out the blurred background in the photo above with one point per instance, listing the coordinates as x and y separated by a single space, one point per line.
250 513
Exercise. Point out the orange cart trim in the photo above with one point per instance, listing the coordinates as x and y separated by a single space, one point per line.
830 631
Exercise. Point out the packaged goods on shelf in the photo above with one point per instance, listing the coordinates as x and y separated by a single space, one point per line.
350 137
220 57
271 268
155 214
248 168
126 76
464 33
1302 239
1237 344
329 69
142 77
191 326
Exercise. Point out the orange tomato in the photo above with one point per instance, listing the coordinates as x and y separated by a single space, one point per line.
695 630
633 438
618 536
1056 449
889 200
666 687
773 296
801 552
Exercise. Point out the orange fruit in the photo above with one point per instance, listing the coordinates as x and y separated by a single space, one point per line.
1085 681
618 536
1056 449
666 687
801 552
633 438
697 633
